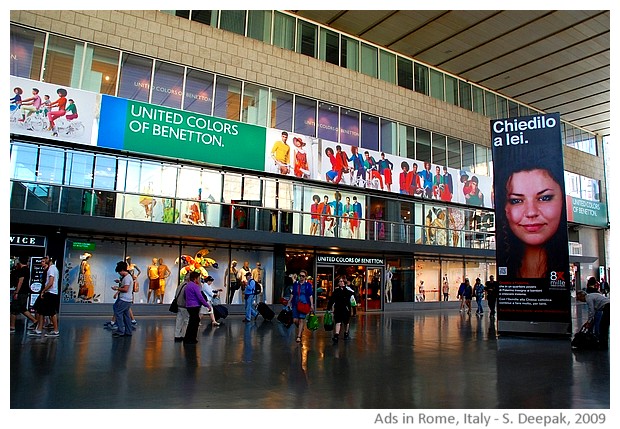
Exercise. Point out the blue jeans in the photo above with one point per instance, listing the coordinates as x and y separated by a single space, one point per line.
121 312
250 311
480 309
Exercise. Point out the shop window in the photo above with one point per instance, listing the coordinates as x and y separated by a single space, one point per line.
468 156
437 89
255 107
452 274
282 111
51 165
100 70
79 169
63 61
135 81
465 95
513 109
328 122
387 66
259 25
405 73
350 127
305 116
439 149
23 162
427 280
198 92
370 132
502 107
227 98
452 90
105 172
329 48
482 165
26 54
406 141
369 60
349 53
421 79
284 31
307 39
167 85
233 21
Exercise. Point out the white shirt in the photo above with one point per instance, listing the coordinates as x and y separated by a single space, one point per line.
52 271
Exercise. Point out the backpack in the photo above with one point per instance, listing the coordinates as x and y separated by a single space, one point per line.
258 288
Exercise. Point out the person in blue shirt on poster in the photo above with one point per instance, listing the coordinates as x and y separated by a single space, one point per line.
427 179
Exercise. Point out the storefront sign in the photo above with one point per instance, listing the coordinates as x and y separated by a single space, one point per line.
530 201
81 245
27 240
156 130
353 260
586 212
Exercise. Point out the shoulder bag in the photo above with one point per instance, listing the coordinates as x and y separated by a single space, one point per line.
302 307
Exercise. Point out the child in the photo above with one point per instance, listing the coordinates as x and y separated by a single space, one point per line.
71 111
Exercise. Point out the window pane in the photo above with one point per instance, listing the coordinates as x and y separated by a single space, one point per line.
423 145
26 52
406 140
79 169
349 127
233 20
502 107
328 122
105 172
259 25
167 85
452 90
306 39
282 110
305 116
284 31
63 61
387 67
490 105
51 165
439 149
513 109
255 105
24 162
468 156
437 90
482 166
370 132
198 92
421 78
135 78
405 73
389 141
349 55
100 70
477 99
329 50
454 153
369 60
227 98
208 17
465 95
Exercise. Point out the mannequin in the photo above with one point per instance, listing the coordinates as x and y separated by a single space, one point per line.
232 281
388 284
153 273
85 281
134 271
163 272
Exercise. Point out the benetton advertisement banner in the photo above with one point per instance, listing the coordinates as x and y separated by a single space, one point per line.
531 233
147 128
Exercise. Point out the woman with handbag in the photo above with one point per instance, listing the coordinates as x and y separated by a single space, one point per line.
341 303
302 302
193 301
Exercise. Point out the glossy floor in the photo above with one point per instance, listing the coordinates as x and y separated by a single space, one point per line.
424 360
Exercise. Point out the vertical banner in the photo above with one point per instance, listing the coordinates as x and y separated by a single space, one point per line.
531 233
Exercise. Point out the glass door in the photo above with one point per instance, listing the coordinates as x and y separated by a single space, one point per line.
324 286
373 291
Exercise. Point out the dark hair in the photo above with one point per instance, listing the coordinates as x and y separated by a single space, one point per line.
23 260
591 282
284 133
404 165
18 89
329 149
121 266
62 92
209 279
528 158
193 275
315 197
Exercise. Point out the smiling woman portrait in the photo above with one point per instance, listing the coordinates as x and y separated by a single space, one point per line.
531 213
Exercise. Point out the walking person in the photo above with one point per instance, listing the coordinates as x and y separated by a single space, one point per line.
248 293
210 294
302 292
49 300
193 301
340 301
479 292
445 289
460 295
123 302
182 318
20 280
492 289
467 295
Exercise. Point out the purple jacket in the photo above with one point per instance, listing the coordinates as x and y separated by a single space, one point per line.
193 296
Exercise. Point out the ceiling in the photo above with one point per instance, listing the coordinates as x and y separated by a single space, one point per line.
552 60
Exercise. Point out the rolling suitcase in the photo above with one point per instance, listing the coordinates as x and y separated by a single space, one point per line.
286 317
220 312
265 311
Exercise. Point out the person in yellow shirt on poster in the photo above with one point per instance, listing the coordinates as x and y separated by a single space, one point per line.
281 154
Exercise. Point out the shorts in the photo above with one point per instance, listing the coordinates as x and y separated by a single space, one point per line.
48 305
342 317
153 284
297 314
331 174
20 304
315 221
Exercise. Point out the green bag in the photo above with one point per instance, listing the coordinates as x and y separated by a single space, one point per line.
312 322
328 321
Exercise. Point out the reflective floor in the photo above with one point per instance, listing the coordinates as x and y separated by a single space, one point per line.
424 360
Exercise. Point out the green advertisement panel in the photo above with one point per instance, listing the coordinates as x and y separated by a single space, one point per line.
146 128
586 212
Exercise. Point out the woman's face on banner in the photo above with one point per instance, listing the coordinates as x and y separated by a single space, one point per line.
533 206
